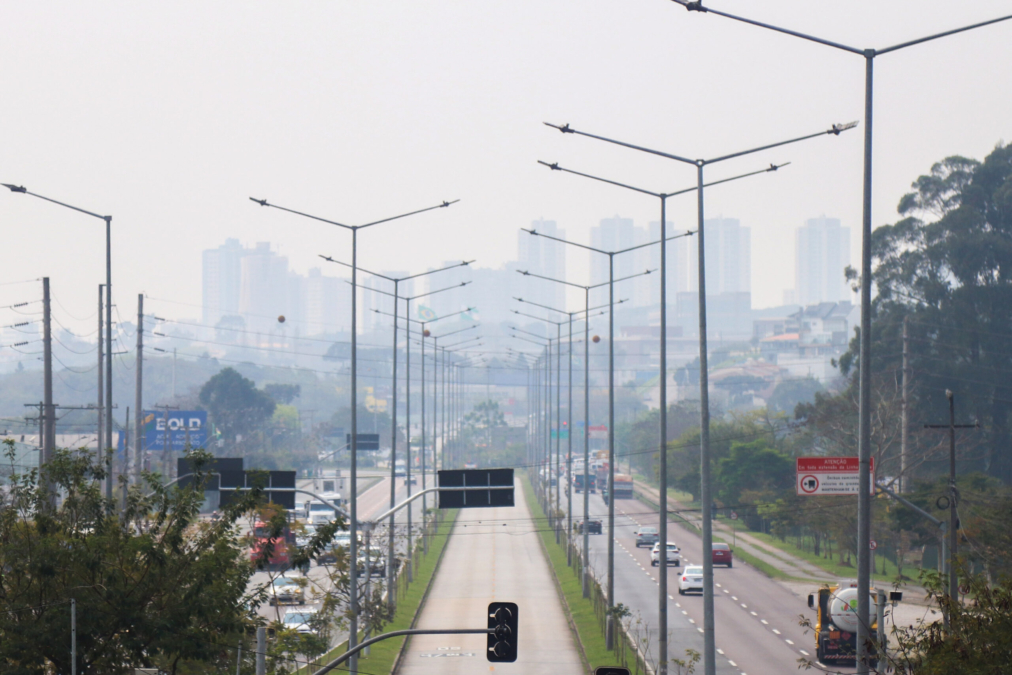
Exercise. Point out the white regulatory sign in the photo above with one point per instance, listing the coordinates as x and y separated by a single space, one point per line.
829 475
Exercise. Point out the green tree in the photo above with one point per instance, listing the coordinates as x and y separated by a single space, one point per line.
752 467
236 406
946 267
789 393
155 585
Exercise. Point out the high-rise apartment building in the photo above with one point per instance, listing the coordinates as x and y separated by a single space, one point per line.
372 300
545 257
728 258
614 234
822 251
222 274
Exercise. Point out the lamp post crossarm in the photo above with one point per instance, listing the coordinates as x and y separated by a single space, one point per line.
462 342
413 298
564 241
405 215
538 318
14 188
462 263
264 202
929 38
527 332
560 311
698 7
518 337
461 330
527 273
566 129
555 167
834 130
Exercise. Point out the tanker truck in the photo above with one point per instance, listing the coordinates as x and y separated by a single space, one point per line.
837 620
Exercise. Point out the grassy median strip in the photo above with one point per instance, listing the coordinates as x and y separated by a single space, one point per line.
383 654
580 609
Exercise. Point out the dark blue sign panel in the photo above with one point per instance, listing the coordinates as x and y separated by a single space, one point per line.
174 429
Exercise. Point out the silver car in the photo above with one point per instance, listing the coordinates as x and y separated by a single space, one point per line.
301 620
691 580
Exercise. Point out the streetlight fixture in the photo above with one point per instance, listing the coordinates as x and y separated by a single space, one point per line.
709 646
50 414
662 507
586 411
353 492
391 596
864 362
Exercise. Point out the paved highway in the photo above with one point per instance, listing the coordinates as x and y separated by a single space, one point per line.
493 554
756 618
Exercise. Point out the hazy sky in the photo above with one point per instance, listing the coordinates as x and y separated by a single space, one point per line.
170 115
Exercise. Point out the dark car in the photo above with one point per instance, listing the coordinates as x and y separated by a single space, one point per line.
722 555
593 527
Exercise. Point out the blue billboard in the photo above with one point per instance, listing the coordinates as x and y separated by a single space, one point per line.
173 429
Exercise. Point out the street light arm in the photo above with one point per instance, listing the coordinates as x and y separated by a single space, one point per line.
527 273
698 7
22 190
556 167
834 130
631 276
462 263
566 129
360 268
517 337
420 295
538 318
461 330
405 215
771 168
552 309
918 41
527 332
264 202
535 233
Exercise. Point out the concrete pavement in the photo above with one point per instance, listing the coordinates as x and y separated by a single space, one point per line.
493 554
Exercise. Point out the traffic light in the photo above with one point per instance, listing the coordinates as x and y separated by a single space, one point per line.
502 638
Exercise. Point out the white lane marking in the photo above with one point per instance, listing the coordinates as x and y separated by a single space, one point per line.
788 642
725 590
671 597
677 604
685 613
718 585
692 621
765 622
735 598
753 614
732 663
744 605
720 651
803 652
700 630
776 631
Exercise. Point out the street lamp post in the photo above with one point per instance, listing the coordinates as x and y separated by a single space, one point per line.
407 377
864 362
50 415
353 492
662 508
709 646
391 596
586 410
569 424
610 628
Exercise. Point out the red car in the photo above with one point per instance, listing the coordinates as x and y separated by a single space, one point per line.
722 555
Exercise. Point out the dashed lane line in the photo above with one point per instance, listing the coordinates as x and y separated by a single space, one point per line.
804 652
789 642
775 631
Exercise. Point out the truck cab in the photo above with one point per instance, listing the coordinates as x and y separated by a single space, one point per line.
837 621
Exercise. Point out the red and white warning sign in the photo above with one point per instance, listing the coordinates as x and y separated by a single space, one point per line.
829 475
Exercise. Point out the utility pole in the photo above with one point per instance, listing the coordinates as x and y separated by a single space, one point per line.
125 467
953 493
101 396
48 414
173 373
904 418
138 394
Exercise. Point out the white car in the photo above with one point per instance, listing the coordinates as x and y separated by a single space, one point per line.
673 555
301 621
691 580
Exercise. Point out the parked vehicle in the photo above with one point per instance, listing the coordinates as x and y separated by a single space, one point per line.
691 580
722 555
674 556
593 527
646 536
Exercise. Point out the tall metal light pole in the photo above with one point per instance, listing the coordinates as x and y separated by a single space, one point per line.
662 507
709 645
108 324
548 414
610 630
864 362
407 377
569 423
391 596
586 411
353 492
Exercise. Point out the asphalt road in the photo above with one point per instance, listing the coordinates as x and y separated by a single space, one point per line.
755 618
493 555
